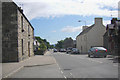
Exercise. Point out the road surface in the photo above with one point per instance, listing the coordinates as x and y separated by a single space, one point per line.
71 66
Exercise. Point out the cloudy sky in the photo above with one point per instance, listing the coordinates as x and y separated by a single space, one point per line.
57 19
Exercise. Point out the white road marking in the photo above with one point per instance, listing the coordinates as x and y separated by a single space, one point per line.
62 72
65 77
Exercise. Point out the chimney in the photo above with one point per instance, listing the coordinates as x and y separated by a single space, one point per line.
21 9
113 20
84 27
98 21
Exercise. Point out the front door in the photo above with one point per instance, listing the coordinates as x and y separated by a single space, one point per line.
29 49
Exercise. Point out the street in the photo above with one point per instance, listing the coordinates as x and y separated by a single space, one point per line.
71 66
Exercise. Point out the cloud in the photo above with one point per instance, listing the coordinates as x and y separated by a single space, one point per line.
54 31
55 8
70 29
105 22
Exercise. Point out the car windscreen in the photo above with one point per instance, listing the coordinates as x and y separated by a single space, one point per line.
100 48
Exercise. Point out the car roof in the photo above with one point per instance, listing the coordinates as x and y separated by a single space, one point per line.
99 47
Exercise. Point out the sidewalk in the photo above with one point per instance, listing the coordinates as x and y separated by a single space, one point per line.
10 68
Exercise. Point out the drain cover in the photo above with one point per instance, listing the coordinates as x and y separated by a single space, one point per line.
66 69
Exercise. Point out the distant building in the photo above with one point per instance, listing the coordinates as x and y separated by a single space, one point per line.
17 34
68 42
36 44
112 37
74 43
91 36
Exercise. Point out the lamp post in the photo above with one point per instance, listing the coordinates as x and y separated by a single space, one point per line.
83 21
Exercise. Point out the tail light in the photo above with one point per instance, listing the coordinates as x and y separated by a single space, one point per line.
106 50
96 50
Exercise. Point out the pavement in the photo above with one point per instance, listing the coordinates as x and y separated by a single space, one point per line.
39 60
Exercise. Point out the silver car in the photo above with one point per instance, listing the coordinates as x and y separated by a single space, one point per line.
75 51
97 52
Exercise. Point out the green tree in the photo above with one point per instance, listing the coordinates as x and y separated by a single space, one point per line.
59 44
42 47
67 42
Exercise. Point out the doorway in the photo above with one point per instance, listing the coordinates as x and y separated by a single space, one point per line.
29 49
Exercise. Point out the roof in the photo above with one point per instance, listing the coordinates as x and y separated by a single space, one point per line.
23 14
86 30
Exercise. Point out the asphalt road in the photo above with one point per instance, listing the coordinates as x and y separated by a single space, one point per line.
71 66
80 66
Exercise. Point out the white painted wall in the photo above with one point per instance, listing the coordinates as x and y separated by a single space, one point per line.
92 38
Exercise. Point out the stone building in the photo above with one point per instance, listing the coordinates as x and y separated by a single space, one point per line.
91 36
112 37
36 44
17 34
68 42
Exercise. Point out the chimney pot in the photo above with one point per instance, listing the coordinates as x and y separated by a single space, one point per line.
84 27
98 21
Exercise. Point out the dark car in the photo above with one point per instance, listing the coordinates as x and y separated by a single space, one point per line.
54 50
97 52
62 50
75 51
68 50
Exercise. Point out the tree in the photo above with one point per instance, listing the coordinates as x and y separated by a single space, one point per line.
42 47
59 44
68 42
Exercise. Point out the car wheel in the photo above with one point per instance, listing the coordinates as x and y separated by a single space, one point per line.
105 56
93 56
88 55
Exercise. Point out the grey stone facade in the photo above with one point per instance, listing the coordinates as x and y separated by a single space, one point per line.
17 34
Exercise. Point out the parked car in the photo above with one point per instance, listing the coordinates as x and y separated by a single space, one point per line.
68 50
62 50
54 50
97 52
75 51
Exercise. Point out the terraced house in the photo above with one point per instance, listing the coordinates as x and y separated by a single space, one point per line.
91 36
17 34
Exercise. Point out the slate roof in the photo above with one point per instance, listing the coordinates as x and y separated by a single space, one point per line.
86 30
22 13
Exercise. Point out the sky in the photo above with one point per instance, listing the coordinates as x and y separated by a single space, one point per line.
55 20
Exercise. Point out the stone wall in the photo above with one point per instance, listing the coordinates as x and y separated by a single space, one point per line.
14 34
25 34
9 32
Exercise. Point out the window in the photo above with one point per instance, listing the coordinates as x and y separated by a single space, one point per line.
22 46
22 24
28 30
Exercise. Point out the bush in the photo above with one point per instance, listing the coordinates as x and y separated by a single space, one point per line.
41 50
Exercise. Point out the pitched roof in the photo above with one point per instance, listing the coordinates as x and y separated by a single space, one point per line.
86 30
22 13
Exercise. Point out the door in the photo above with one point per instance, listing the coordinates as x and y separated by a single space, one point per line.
29 49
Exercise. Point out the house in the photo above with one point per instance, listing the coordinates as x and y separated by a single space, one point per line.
112 37
91 36
17 34
74 43
68 42
36 44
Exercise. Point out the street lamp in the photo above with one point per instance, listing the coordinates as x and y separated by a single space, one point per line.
83 21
